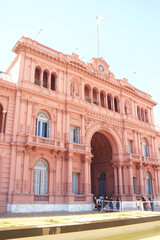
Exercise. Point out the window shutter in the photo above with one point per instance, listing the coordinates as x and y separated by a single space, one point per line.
49 127
75 183
36 130
44 182
36 181
71 134
129 146
77 135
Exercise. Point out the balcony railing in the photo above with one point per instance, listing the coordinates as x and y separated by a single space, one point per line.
76 146
46 141
80 197
87 99
41 198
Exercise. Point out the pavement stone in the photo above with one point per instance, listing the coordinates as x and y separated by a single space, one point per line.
38 224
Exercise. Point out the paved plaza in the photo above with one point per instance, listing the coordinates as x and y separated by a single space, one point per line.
26 225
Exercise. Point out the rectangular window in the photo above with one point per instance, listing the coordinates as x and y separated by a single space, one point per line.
75 183
74 134
135 185
145 150
129 146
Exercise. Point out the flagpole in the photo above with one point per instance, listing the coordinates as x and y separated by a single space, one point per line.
97 37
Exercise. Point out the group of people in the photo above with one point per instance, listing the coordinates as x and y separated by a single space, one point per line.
145 204
106 203
111 204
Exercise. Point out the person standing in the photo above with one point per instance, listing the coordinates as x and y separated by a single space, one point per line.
138 204
151 204
117 203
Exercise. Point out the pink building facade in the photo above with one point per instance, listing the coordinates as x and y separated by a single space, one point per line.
70 130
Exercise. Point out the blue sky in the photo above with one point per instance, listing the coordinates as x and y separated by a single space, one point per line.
129 34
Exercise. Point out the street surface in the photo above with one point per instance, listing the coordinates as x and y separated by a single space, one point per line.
99 235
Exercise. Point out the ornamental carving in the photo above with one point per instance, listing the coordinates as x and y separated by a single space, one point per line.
34 107
89 122
74 88
75 118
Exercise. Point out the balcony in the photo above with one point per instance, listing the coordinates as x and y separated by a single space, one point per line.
76 146
149 160
45 142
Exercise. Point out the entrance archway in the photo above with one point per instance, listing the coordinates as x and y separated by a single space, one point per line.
102 174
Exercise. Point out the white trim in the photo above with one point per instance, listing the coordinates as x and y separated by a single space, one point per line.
26 208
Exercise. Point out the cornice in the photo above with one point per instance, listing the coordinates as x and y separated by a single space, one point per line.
61 59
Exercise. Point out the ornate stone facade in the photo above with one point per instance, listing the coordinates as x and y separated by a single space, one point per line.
69 130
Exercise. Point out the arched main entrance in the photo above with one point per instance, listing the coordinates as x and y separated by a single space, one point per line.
102 174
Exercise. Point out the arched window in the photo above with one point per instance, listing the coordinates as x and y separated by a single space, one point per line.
109 100
37 77
40 177
1 118
95 94
148 184
86 93
115 104
125 109
102 97
145 148
42 125
45 79
142 114
53 82
146 116
138 113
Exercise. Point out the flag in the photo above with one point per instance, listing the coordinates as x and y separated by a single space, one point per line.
99 19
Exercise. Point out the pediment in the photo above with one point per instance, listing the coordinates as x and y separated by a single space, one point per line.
74 59
100 66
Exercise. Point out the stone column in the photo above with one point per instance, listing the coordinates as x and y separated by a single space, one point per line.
131 179
49 81
58 174
51 180
41 78
69 182
83 129
86 177
31 180
89 175
141 179
124 179
125 140
91 95
98 99
67 131
58 129
135 150
106 101
112 103
154 147
120 180
29 113
25 172
115 180
32 71
16 117
17 187
156 181
82 90
158 177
